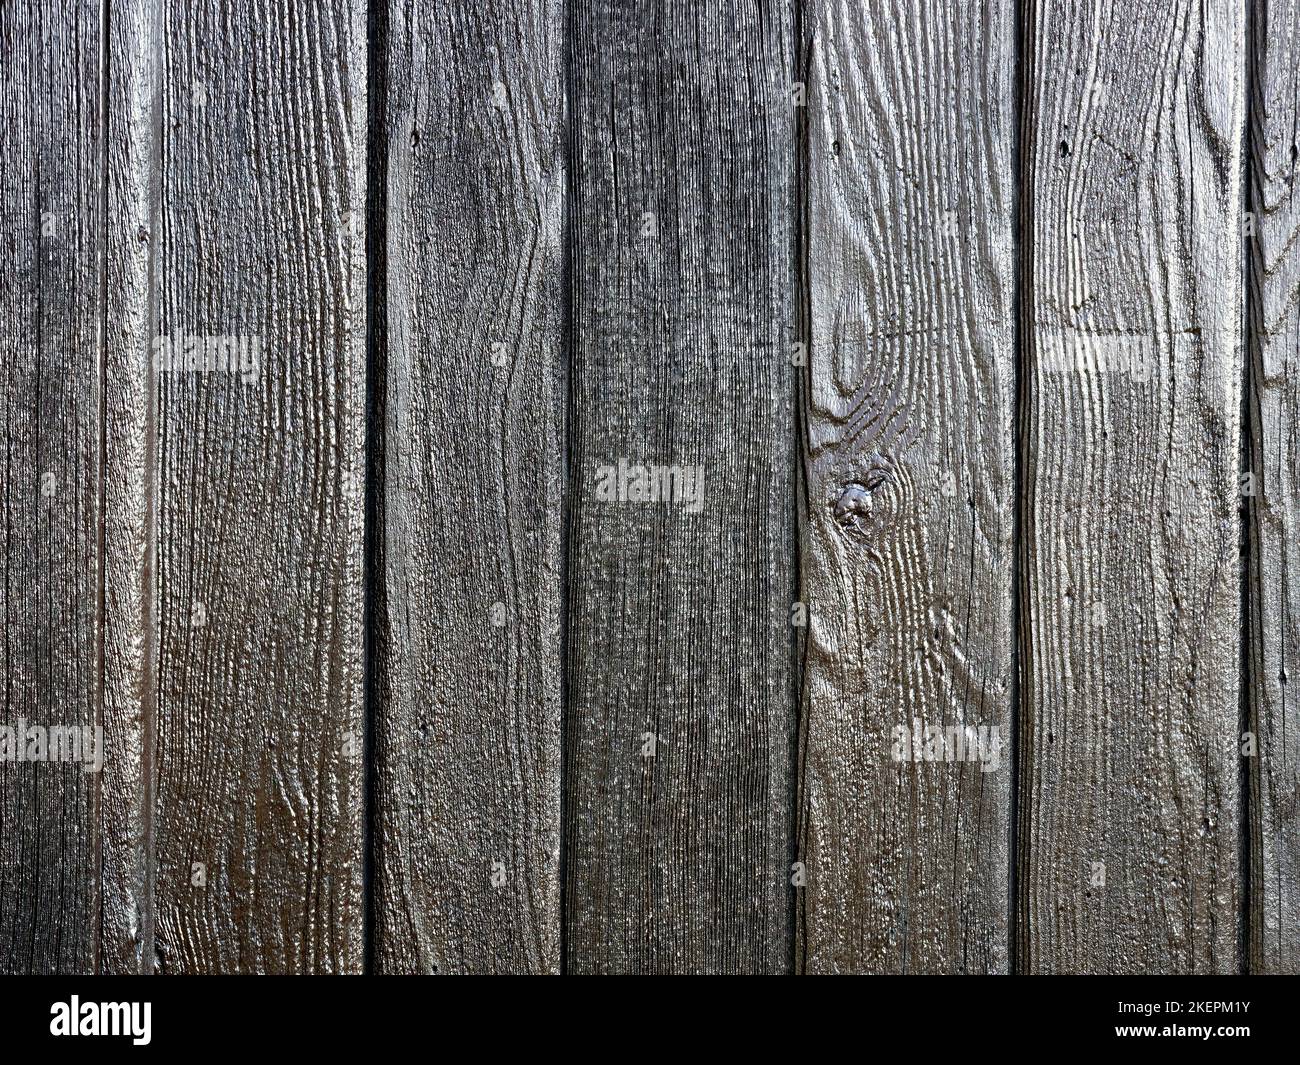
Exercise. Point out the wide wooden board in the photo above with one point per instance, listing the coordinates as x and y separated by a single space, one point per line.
680 674
1129 791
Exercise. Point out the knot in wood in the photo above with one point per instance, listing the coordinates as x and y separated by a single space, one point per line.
853 506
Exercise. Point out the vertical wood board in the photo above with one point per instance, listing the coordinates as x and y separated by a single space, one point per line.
1133 296
256 488
681 703
467 744
908 558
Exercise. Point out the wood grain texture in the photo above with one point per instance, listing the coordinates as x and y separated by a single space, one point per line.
908 560
1131 538
467 740
681 700
51 221
256 488
991 509
129 188
1274 462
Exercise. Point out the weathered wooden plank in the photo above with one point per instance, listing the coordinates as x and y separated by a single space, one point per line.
908 560
51 218
1133 302
132 120
256 487
681 705
469 661
1274 477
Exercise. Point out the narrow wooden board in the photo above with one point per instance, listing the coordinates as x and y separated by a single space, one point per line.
468 695
681 699
128 411
256 489
908 559
1273 465
1133 307
51 222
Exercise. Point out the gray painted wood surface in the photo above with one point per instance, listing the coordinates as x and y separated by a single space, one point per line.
1129 789
949 302
467 738
679 816
908 560
1273 463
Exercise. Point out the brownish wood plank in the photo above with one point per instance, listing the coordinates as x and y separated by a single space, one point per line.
255 489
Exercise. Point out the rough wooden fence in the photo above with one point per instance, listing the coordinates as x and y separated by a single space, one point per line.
334 334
